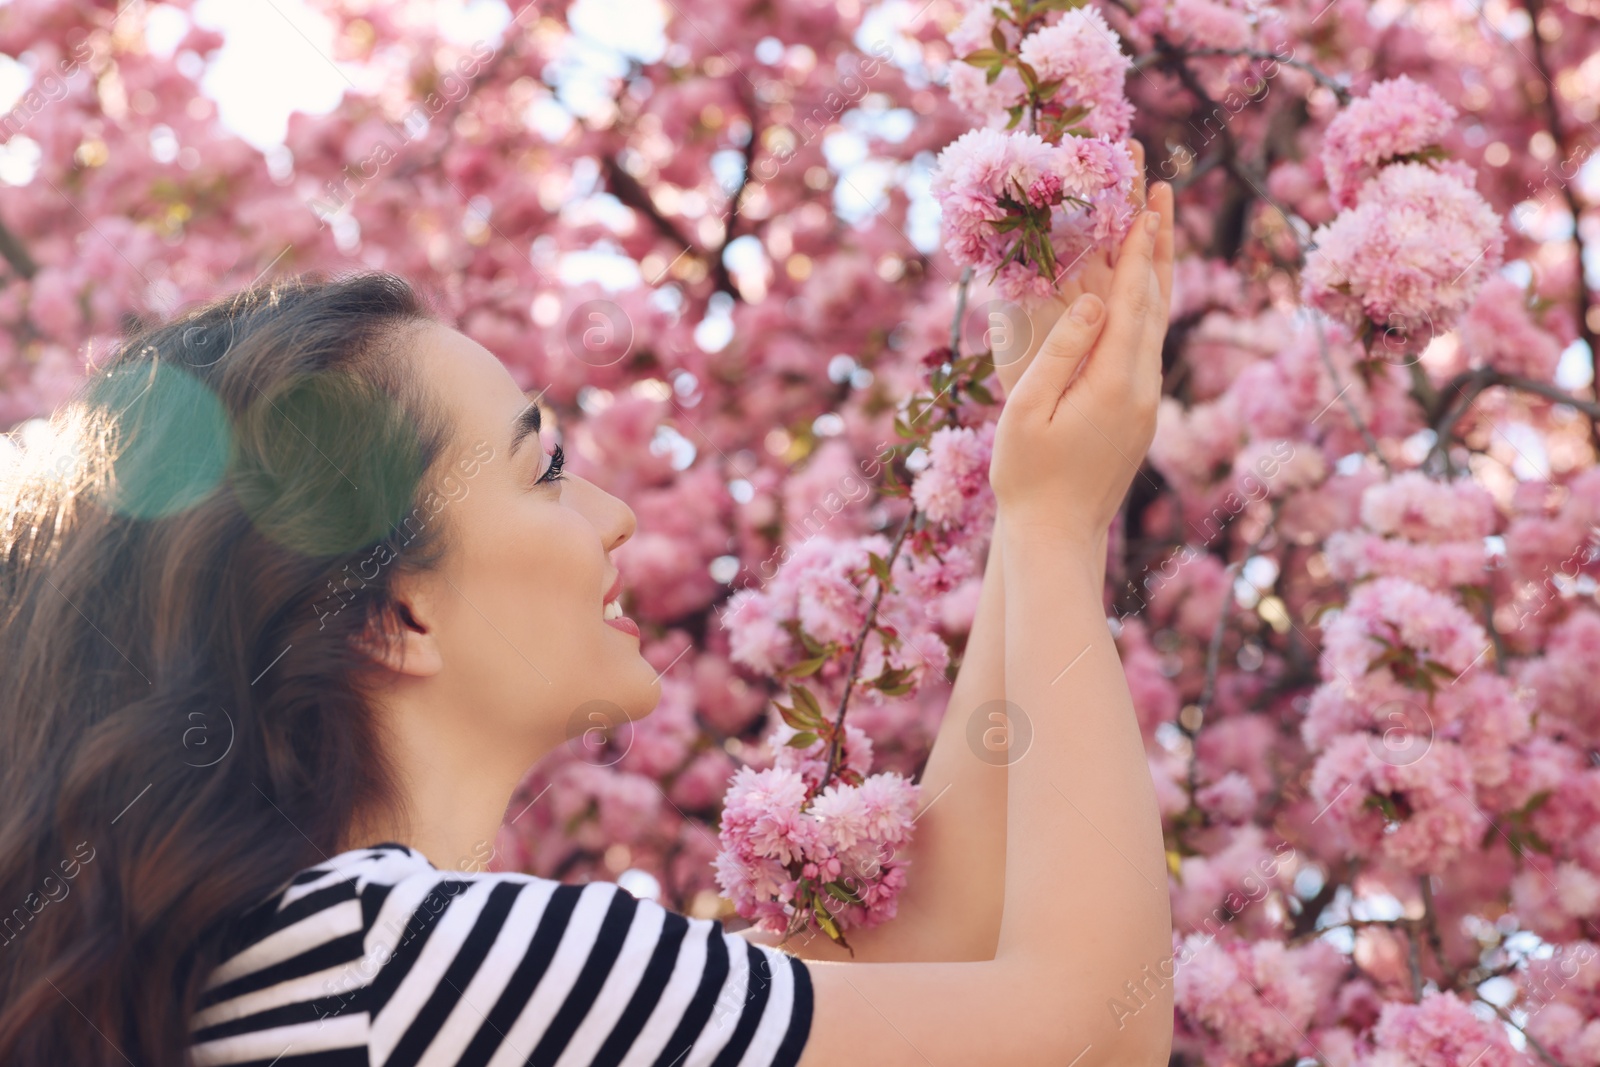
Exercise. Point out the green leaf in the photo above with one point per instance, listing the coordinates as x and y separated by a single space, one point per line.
1029 77
984 57
789 716
880 567
825 921
979 393
804 739
806 705
840 891
892 676
1073 115
998 38
994 74
806 667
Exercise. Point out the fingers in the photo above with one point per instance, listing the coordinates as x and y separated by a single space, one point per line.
1161 199
1147 362
1139 198
1131 298
1065 348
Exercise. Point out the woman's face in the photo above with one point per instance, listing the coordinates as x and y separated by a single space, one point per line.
522 653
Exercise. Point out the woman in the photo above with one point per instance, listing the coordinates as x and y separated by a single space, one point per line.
296 598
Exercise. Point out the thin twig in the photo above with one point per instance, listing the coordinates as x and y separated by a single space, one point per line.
1430 919
1548 391
1214 649
961 311
1470 383
836 745
1349 405
1327 81
1553 117
1533 1042
14 252
1468 386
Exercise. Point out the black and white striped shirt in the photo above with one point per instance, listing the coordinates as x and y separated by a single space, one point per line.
378 959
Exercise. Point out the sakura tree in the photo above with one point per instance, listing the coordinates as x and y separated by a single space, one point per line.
1354 585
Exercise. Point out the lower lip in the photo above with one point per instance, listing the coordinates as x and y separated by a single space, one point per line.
625 624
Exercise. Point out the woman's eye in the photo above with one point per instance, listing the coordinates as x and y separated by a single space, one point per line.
552 473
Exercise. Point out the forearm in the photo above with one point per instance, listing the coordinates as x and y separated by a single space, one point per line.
1085 893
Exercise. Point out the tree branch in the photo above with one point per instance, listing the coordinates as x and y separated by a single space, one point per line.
1321 78
626 188
1570 194
16 254
1533 1043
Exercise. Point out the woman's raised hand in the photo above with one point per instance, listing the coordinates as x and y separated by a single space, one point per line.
1078 419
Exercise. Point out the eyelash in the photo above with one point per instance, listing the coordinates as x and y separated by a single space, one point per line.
552 473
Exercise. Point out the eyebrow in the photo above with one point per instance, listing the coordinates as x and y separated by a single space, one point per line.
525 425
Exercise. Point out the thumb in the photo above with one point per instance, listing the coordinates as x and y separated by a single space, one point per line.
1064 349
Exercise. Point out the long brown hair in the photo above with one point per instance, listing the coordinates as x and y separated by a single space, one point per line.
221 508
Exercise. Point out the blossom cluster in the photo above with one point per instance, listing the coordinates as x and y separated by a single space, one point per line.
803 847
1415 241
1029 205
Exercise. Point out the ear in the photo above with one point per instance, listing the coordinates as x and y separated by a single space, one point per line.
412 647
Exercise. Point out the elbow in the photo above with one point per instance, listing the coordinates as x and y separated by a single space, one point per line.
1143 1038
1125 1036
1128 1027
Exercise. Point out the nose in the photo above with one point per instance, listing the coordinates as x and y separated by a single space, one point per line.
611 516
624 523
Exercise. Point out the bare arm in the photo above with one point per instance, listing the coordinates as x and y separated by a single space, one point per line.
950 909
1085 900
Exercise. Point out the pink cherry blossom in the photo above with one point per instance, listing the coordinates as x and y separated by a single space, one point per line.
1396 118
1410 254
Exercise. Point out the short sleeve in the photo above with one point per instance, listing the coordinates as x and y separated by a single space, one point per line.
507 969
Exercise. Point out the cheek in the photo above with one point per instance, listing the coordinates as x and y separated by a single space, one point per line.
548 558
529 573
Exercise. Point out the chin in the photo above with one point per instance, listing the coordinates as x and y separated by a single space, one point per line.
641 699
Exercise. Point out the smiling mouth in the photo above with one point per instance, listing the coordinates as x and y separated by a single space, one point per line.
615 619
611 610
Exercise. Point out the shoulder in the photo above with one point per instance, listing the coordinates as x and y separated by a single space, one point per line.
447 966
294 966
